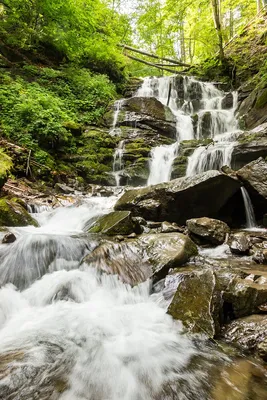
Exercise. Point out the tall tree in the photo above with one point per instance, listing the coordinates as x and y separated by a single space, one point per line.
216 10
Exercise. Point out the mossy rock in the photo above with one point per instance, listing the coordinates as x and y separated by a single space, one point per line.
5 167
115 223
194 302
262 99
12 213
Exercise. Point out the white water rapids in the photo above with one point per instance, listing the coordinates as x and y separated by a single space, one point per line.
63 321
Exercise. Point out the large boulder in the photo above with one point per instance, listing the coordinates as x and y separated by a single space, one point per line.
194 302
209 230
254 177
182 198
13 213
138 259
249 332
250 146
253 109
114 223
145 113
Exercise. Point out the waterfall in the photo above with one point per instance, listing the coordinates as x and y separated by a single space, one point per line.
65 325
162 156
118 162
223 129
250 215
118 105
199 111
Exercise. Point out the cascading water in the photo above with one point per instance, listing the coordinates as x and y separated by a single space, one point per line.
161 163
250 215
69 332
198 108
118 105
118 162
223 131
162 157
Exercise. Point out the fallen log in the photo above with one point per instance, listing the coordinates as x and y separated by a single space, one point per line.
154 56
153 65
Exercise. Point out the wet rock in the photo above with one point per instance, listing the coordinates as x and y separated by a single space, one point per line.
239 243
9 238
181 199
254 175
208 229
167 227
259 255
114 223
251 145
62 188
194 302
249 332
13 213
228 101
125 259
240 380
140 258
254 108
244 295
167 250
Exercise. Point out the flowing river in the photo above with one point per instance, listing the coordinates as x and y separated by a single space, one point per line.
69 332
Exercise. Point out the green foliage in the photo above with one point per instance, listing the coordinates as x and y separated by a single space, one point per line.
82 31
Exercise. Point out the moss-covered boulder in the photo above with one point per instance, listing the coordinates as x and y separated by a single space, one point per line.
208 230
183 198
12 213
194 302
114 223
5 167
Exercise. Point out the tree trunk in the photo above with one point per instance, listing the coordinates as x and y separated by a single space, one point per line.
258 6
217 23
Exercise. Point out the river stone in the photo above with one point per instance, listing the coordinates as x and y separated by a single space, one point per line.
244 296
167 250
12 213
62 188
136 260
194 302
114 223
249 332
239 243
254 175
228 101
182 198
9 238
209 229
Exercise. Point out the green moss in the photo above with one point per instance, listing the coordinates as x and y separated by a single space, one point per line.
117 222
5 167
262 99
13 213
245 139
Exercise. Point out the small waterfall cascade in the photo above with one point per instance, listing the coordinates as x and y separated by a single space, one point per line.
219 152
250 215
201 113
162 156
118 162
118 105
